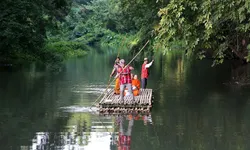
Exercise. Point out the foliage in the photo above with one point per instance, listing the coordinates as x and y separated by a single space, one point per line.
66 49
24 24
137 17
90 24
217 27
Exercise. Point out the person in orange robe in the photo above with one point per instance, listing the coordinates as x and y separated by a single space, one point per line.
136 85
117 86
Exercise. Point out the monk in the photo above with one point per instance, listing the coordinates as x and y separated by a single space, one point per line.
136 85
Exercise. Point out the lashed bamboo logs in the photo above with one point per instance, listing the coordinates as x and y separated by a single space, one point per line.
112 103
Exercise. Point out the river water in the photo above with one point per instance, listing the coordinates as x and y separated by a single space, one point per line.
47 107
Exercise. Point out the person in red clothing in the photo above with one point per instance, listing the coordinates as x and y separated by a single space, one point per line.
124 73
144 72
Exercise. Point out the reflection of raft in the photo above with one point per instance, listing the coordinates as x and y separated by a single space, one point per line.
111 103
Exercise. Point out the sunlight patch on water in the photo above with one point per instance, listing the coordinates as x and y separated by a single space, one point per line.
73 109
71 140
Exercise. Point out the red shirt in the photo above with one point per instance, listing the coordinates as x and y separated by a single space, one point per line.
125 75
144 71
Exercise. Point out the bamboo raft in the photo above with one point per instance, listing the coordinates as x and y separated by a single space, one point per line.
112 104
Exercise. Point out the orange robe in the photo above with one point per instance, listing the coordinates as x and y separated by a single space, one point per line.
136 83
117 86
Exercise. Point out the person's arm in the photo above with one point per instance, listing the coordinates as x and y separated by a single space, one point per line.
149 64
131 68
113 72
117 75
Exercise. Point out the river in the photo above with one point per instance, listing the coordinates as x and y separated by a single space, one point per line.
47 107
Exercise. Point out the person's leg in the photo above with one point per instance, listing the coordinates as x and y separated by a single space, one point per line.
129 86
143 83
122 87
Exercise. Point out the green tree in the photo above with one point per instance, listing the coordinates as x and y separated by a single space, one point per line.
24 24
220 28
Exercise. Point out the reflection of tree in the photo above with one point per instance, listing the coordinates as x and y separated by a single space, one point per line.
81 123
75 135
24 104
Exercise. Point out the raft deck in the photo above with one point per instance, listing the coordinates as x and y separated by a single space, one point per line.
111 103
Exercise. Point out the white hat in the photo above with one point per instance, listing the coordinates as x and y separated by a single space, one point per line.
122 61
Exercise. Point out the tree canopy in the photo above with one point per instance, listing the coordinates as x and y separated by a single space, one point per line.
24 24
218 27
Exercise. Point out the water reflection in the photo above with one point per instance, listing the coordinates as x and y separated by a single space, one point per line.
80 133
124 129
193 109
88 132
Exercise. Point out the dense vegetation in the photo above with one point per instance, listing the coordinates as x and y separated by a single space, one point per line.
24 24
217 29
57 29
220 28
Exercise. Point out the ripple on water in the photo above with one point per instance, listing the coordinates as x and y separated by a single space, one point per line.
91 89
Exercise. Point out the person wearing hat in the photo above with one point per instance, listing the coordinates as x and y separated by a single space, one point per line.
144 72
124 73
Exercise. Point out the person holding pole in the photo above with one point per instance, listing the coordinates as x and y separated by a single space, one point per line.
124 73
145 73
115 67
114 71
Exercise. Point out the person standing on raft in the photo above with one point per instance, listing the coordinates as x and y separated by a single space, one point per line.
115 71
144 72
115 67
124 73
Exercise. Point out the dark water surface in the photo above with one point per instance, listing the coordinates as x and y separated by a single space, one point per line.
47 107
